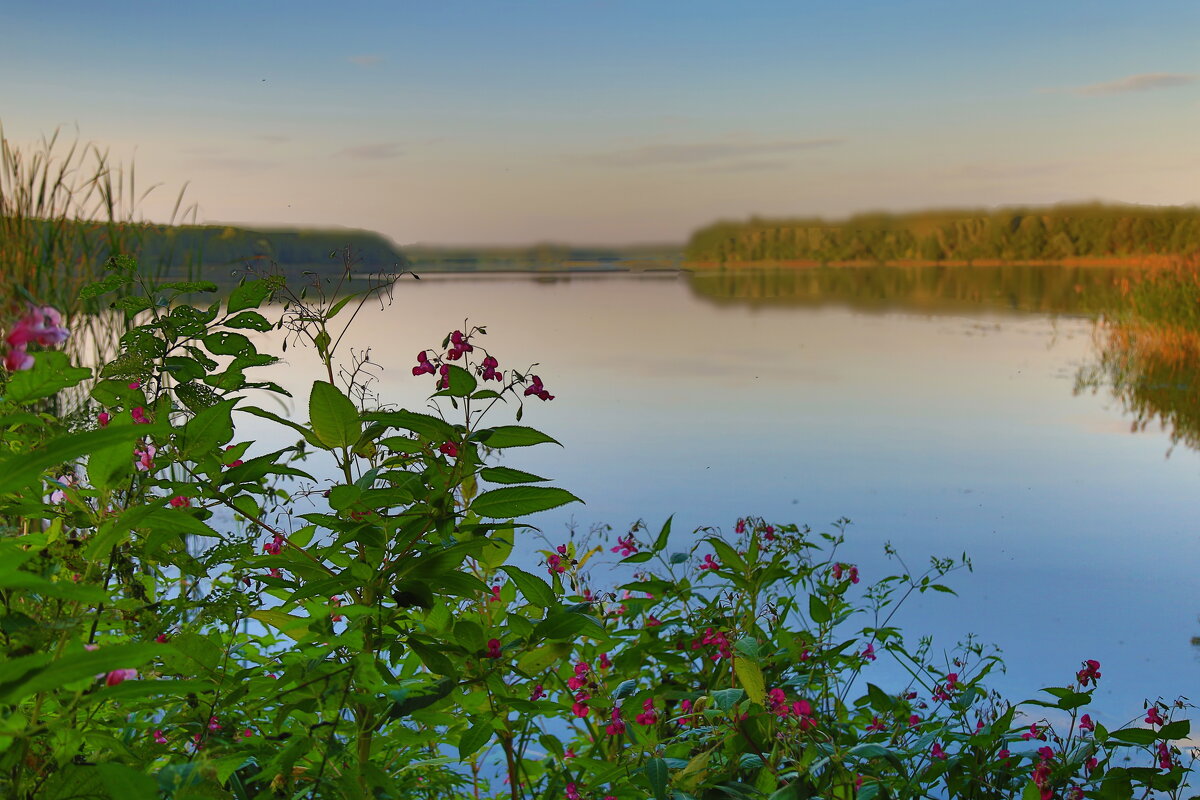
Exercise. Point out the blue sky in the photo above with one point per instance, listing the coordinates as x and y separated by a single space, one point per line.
492 122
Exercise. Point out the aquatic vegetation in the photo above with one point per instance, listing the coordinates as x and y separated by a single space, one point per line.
188 613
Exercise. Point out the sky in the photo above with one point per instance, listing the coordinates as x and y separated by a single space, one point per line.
606 121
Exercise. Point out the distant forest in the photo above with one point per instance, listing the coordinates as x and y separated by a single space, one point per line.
1014 234
212 252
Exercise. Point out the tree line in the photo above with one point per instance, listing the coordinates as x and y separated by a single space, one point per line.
1013 234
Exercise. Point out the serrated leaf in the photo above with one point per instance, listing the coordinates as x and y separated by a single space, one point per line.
656 775
818 611
513 436
333 416
516 501
751 678
508 475
535 590
23 469
476 736
51 373
288 624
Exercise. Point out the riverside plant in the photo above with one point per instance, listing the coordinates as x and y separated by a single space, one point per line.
184 618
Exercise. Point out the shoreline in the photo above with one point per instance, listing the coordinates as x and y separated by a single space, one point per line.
1148 261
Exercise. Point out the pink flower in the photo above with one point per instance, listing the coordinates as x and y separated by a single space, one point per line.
459 345
914 721
144 459
237 462
1045 753
1091 764
443 381
740 528
103 419
423 366
869 653
803 709
120 676
1089 673
604 662
489 370
652 621
213 725
710 563
626 546
493 648
139 415
1152 717
247 733
937 752
449 449
648 716
616 725
1033 733
876 725
538 389
40 325
179 501
495 595
538 693
572 792
17 359
159 737
134 385
275 546
1003 754
162 638
850 571
554 563
580 708
1164 756
1086 724
333 615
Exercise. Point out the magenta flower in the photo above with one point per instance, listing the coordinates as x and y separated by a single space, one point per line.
139 415
572 792
648 716
850 571
538 693
1152 717
495 595
493 648
652 621
449 449
554 563
1086 724
423 366
213 725
710 563
876 725
626 546
120 676
159 737
537 389
489 370
40 325
275 546
459 345
868 653
616 725
1164 756
144 459
1089 673
179 501
937 752
103 419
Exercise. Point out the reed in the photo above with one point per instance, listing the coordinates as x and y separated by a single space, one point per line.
66 206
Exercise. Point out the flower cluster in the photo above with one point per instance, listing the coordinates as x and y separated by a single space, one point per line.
42 326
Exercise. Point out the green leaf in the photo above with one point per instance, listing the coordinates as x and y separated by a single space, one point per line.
227 343
508 475
308 435
462 383
512 436
74 667
535 590
818 611
66 590
516 501
433 428
725 699
23 469
751 678
656 776
475 737
250 294
538 659
407 701
291 626
663 535
334 418
51 373
433 658
567 624
1178 729
126 783
209 429
872 750
624 689
249 319
1134 735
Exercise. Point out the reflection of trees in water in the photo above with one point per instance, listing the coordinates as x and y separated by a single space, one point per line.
1013 287
1149 354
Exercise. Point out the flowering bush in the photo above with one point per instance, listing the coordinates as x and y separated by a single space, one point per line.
179 622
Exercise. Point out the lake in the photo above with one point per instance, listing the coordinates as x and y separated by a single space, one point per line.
937 410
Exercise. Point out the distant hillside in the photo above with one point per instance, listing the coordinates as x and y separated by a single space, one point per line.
1007 235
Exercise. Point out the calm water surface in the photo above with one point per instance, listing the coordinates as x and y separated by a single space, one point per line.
942 428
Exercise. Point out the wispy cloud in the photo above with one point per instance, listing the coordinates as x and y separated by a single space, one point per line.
375 151
760 165
703 152
274 138
366 60
1133 83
